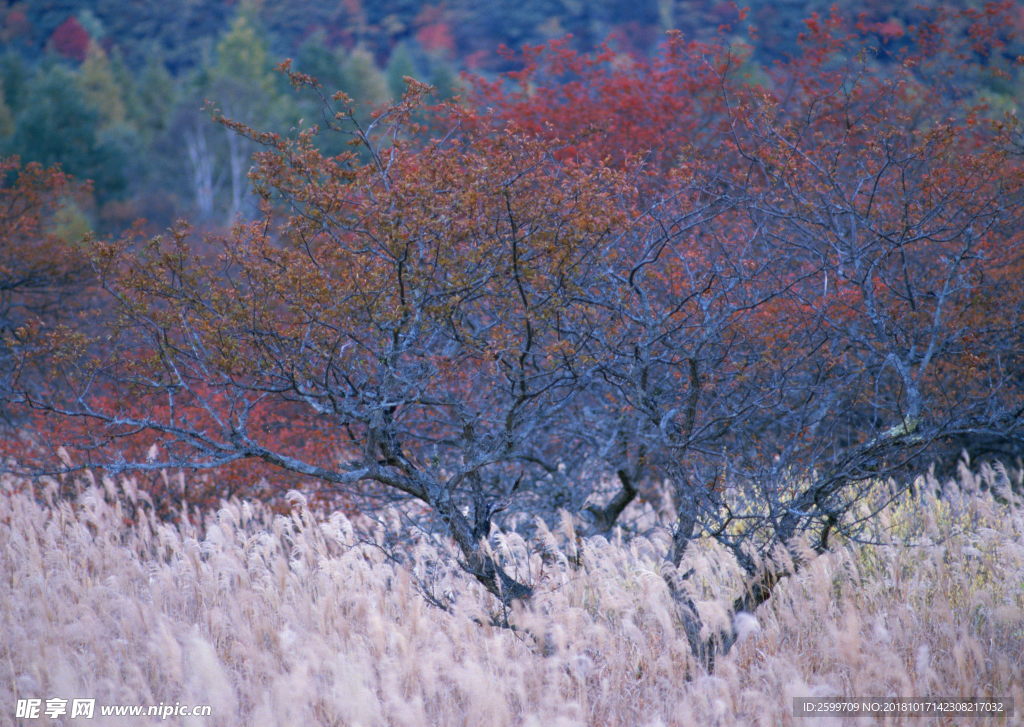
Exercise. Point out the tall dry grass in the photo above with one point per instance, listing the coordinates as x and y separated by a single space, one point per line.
302 620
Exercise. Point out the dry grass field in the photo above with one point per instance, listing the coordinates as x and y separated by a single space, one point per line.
301 620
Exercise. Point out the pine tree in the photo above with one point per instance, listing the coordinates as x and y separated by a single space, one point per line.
6 117
99 87
400 65
364 81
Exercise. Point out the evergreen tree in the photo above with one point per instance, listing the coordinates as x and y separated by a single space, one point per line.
444 79
153 98
364 81
6 117
400 65
60 127
320 62
242 59
15 76
99 87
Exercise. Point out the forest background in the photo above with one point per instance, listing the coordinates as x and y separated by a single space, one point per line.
115 92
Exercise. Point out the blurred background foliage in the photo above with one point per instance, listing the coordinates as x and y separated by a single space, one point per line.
116 92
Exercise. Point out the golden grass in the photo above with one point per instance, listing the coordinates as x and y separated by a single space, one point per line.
291 620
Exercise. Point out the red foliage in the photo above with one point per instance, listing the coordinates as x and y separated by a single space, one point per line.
433 30
604 107
38 271
436 38
16 23
71 40
48 441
